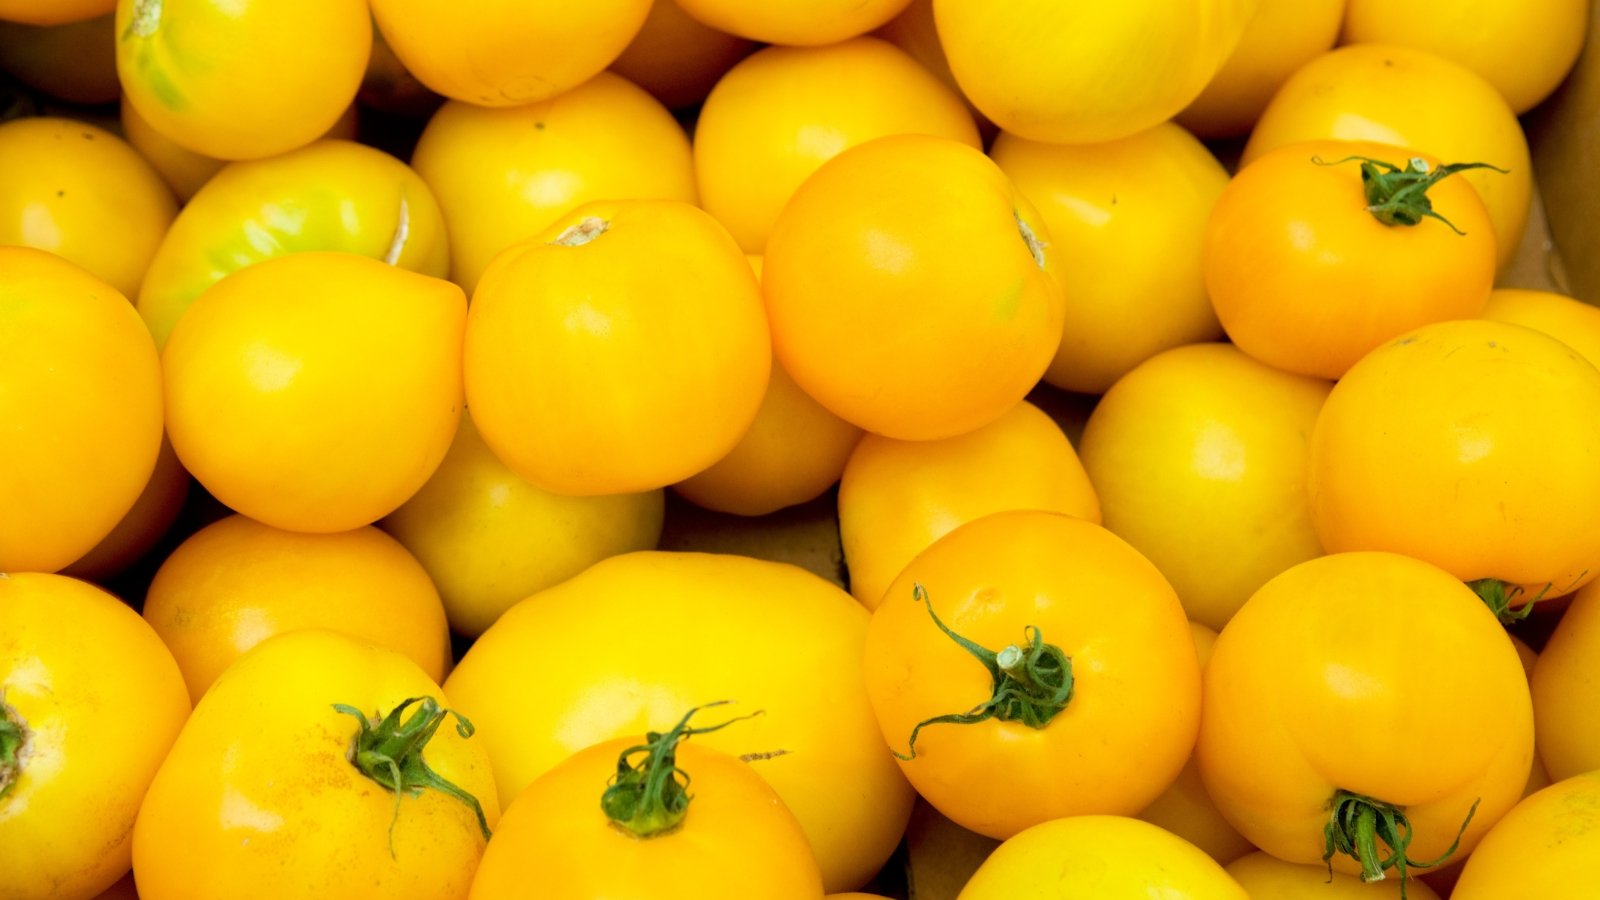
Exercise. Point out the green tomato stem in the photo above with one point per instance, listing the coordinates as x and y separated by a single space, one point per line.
13 738
1499 596
1358 823
1398 195
650 797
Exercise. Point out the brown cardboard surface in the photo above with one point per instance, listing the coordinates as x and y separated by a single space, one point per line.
1565 136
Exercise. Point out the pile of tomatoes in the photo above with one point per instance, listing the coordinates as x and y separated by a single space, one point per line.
350 349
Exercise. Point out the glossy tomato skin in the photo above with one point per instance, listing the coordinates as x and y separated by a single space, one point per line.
1546 847
736 841
1571 321
99 701
1282 36
794 22
261 793
1264 875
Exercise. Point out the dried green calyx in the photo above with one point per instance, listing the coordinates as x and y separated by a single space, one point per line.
1398 195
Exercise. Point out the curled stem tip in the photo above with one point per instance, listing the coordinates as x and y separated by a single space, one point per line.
1358 823
1500 596
649 795
1398 195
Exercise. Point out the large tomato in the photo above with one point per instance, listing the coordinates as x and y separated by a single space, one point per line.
1566 689
1547 847
1264 875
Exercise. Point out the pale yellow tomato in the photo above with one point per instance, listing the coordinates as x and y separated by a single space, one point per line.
1282 36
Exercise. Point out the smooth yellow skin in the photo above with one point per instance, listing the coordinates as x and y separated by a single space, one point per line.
674 630
1281 37
504 175
1522 48
237 582
261 796
1266 876
145 523
507 52
488 539
1408 98
1372 673
1547 847
101 701
736 842
794 22
317 391
1079 73
331 195
53 12
897 497
1099 858
1573 322
1566 687
195 69
1126 217
80 393
76 61
783 112
1205 441
1473 445
678 58
84 194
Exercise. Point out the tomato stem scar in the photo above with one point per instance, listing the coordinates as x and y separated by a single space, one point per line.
1029 237
651 797
13 739
1399 195
1358 823
582 233
1031 683
145 19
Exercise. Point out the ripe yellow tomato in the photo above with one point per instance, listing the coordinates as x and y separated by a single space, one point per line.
1546 847
53 12
676 57
673 630
898 497
1308 275
1205 440
145 523
915 32
783 112
76 61
1082 73
1098 858
1566 687
331 195
1264 875
90 701
1365 704
943 232
194 69
1573 322
1473 445
507 52
584 829
1281 37
489 539
316 391
80 393
82 193
314 768
794 22
504 175
1408 98
1126 218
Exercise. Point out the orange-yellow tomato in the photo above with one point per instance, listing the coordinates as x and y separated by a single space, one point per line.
76 61
504 175
1573 322
1266 876
80 393
780 114
1281 37
915 32
237 582
794 22
676 57
489 539
1547 847
1566 687
54 12
196 69
331 195
1203 440
623 349
898 497
316 391
507 52
83 194
1099 858
1356 687
1473 445
1126 218
90 702
1092 671
913 222
149 519
1412 99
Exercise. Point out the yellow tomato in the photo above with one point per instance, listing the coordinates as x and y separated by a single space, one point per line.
90 701
149 519
1408 98
332 195
1127 219
794 22
1546 847
54 12
1281 37
676 57
489 539
1566 687
1266 876
618 819
1573 322
913 222
672 630
1203 440
1360 689
504 175
1099 858
898 497
317 767
915 32
316 391
76 61
1473 445
83 194
507 52
80 396
1077 73
780 114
